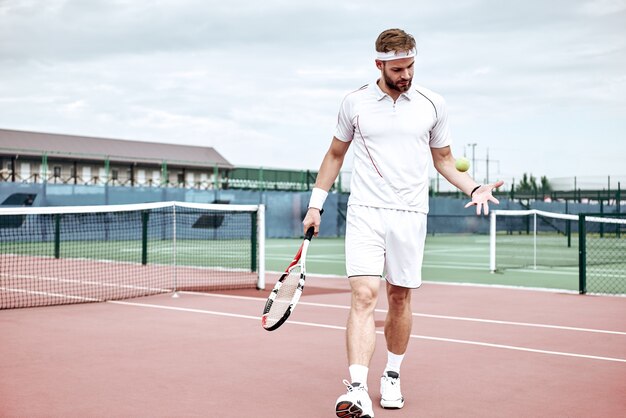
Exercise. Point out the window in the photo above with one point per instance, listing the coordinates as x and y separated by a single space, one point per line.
57 171
102 175
141 177
86 175
190 179
114 174
156 177
25 172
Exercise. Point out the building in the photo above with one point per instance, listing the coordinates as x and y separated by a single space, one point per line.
34 157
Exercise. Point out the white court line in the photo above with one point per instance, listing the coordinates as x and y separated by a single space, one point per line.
455 318
461 250
294 246
481 266
457 267
565 270
48 294
318 259
512 287
455 264
335 327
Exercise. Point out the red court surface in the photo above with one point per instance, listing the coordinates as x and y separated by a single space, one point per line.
474 352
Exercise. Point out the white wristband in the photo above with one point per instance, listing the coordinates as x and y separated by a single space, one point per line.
318 197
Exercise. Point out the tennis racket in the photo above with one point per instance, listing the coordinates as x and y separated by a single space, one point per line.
288 289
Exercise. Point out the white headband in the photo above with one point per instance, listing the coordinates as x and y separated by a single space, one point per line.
395 55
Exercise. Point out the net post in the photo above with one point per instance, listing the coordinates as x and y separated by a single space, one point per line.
492 242
568 227
57 235
535 241
618 199
253 240
144 237
582 255
260 230
174 268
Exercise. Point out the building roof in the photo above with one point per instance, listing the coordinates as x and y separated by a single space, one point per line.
92 148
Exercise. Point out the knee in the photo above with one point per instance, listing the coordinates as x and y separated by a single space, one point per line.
399 297
364 298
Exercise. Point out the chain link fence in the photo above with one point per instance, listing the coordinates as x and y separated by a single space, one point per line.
602 252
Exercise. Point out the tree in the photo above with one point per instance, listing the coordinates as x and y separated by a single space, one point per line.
545 185
528 184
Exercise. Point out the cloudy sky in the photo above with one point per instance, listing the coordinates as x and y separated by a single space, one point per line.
539 85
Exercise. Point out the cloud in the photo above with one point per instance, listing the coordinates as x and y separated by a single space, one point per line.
262 81
602 7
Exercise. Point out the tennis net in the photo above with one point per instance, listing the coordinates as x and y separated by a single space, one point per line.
532 239
61 255
594 245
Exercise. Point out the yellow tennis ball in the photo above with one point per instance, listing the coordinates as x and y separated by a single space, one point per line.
462 164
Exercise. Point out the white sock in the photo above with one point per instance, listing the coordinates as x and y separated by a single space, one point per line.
393 362
358 374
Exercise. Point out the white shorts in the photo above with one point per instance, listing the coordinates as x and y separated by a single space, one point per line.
387 243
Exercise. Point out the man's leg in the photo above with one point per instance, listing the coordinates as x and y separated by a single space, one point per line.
397 333
361 331
360 342
399 319
365 262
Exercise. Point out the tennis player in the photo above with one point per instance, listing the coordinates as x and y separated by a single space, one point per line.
396 127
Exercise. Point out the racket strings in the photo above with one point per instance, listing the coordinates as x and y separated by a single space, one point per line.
282 301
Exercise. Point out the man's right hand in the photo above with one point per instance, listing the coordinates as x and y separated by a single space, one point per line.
312 219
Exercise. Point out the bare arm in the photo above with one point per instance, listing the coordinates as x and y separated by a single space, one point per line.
328 172
444 164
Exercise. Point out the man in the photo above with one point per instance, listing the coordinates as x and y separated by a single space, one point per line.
396 127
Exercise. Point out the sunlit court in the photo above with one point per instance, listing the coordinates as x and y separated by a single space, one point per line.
505 352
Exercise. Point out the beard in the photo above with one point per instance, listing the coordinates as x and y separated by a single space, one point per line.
395 86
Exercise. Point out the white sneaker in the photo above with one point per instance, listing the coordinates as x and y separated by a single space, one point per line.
390 394
354 404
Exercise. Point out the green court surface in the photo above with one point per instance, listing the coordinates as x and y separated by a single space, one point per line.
447 258
199 253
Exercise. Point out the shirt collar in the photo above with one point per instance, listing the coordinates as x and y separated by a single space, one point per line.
380 94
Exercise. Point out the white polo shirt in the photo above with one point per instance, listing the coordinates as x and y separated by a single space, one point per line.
392 144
